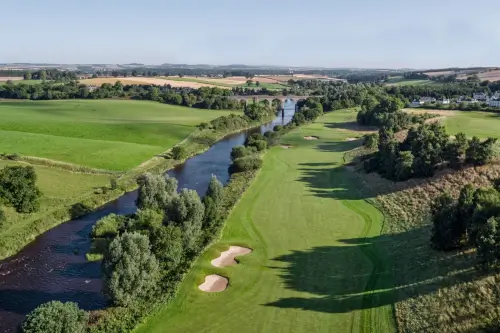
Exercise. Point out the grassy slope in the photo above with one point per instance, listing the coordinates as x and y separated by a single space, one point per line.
304 219
107 134
481 124
401 81
58 188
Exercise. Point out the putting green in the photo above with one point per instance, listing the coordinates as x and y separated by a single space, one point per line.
311 270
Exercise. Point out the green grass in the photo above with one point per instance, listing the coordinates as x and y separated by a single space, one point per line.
472 123
401 81
310 270
59 189
106 134
24 82
481 124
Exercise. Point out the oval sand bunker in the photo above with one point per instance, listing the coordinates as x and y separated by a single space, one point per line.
226 258
311 138
214 283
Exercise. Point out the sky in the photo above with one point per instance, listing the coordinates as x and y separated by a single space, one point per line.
319 33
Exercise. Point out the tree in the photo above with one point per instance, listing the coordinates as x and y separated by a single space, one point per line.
257 83
130 270
213 201
179 153
447 231
488 242
43 75
404 163
455 150
370 141
186 211
167 246
56 317
18 188
480 153
155 191
249 82
27 76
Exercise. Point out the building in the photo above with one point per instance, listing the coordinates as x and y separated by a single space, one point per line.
494 103
424 100
480 96
415 104
444 101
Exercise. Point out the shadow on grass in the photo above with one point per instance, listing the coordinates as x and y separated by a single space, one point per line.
359 273
338 146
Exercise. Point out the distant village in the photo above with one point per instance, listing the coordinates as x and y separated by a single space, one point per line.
491 101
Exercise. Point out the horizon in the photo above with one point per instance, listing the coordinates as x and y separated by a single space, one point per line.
359 34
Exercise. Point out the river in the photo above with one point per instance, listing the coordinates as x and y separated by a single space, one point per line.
53 266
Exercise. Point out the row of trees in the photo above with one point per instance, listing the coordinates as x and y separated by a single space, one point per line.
426 148
473 219
205 98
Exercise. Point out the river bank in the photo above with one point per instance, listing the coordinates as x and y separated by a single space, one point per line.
54 266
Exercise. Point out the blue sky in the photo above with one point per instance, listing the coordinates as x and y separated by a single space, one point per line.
329 33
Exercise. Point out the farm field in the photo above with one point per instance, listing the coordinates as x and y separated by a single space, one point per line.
145 81
472 123
401 81
312 268
20 81
105 134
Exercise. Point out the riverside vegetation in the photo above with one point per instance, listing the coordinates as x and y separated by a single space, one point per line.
146 255
89 152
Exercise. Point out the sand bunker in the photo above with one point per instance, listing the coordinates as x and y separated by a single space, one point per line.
286 146
311 138
226 258
214 283
350 139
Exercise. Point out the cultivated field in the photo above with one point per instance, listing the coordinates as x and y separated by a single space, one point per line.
9 78
316 265
146 81
401 81
493 75
481 124
104 134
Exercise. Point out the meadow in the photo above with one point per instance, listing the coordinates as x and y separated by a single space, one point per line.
472 123
105 134
401 81
312 268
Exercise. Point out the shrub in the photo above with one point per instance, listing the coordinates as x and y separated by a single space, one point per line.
246 163
239 151
18 188
148 219
260 145
130 270
3 218
370 141
179 153
56 317
108 226
155 191
204 126
278 128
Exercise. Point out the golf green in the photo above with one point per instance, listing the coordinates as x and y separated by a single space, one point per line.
312 269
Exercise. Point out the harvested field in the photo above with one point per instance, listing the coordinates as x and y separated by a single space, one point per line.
444 113
439 73
493 75
146 81
227 258
214 283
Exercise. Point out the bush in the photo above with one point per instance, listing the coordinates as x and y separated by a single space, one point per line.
246 163
260 145
239 151
3 218
18 188
370 141
278 128
108 226
56 317
179 153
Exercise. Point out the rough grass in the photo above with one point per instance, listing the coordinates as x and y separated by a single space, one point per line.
310 269
401 81
105 134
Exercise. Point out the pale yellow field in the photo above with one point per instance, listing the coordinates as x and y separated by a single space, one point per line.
14 78
146 81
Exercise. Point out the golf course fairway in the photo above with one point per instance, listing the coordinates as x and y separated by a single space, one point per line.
311 268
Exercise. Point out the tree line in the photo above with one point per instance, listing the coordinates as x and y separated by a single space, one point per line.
471 220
